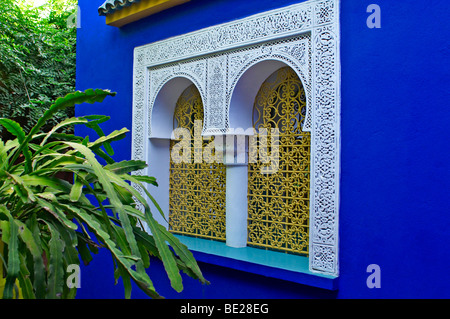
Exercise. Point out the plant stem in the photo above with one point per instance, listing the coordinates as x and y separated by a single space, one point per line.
25 85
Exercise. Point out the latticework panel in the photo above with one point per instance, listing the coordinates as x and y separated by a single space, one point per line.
197 187
278 199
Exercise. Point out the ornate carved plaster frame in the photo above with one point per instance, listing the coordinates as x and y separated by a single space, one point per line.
305 36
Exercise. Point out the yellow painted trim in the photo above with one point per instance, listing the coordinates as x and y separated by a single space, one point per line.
140 10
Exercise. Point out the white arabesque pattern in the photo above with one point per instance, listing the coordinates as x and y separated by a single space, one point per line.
305 37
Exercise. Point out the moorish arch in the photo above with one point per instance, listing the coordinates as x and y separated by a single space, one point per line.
244 89
197 182
272 201
161 120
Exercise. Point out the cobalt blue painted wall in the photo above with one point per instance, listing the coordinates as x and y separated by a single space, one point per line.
395 144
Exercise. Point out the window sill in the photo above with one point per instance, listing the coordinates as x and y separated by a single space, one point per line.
258 261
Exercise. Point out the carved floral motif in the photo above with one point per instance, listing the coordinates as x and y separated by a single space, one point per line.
306 37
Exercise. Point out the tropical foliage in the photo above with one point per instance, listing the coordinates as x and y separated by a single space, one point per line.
37 60
48 224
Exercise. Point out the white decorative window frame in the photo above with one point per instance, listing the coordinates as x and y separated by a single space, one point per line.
305 36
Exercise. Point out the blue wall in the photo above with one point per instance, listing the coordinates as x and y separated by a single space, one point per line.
395 174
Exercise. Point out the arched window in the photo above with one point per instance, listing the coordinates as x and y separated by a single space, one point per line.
278 198
196 184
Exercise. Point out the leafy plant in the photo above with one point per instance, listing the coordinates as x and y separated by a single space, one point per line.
37 61
47 223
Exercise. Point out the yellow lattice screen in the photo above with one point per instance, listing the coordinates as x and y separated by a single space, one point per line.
278 203
197 187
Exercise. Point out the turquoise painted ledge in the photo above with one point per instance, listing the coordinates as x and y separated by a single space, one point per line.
258 261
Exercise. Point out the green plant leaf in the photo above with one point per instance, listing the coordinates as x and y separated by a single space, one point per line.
105 140
124 195
166 255
125 167
157 229
56 269
126 280
24 192
159 233
54 183
113 198
103 155
70 255
24 280
146 179
55 211
14 128
89 96
66 122
35 249
184 253
13 254
3 153
132 178
55 161
60 136
95 119
77 188
94 124
141 279
83 250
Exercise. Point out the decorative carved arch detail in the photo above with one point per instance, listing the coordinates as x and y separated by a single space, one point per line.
305 36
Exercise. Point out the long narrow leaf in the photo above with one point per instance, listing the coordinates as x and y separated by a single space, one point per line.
125 167
3 153
105 140
167 257
184 253
94 124
77 188
56 269
56 212
10 237
158 230
126 280
54 183
142 280
83 250
26 194
108 159
15 129
26 285
66 122
132 178
89 96
146 179
114 200
29 240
